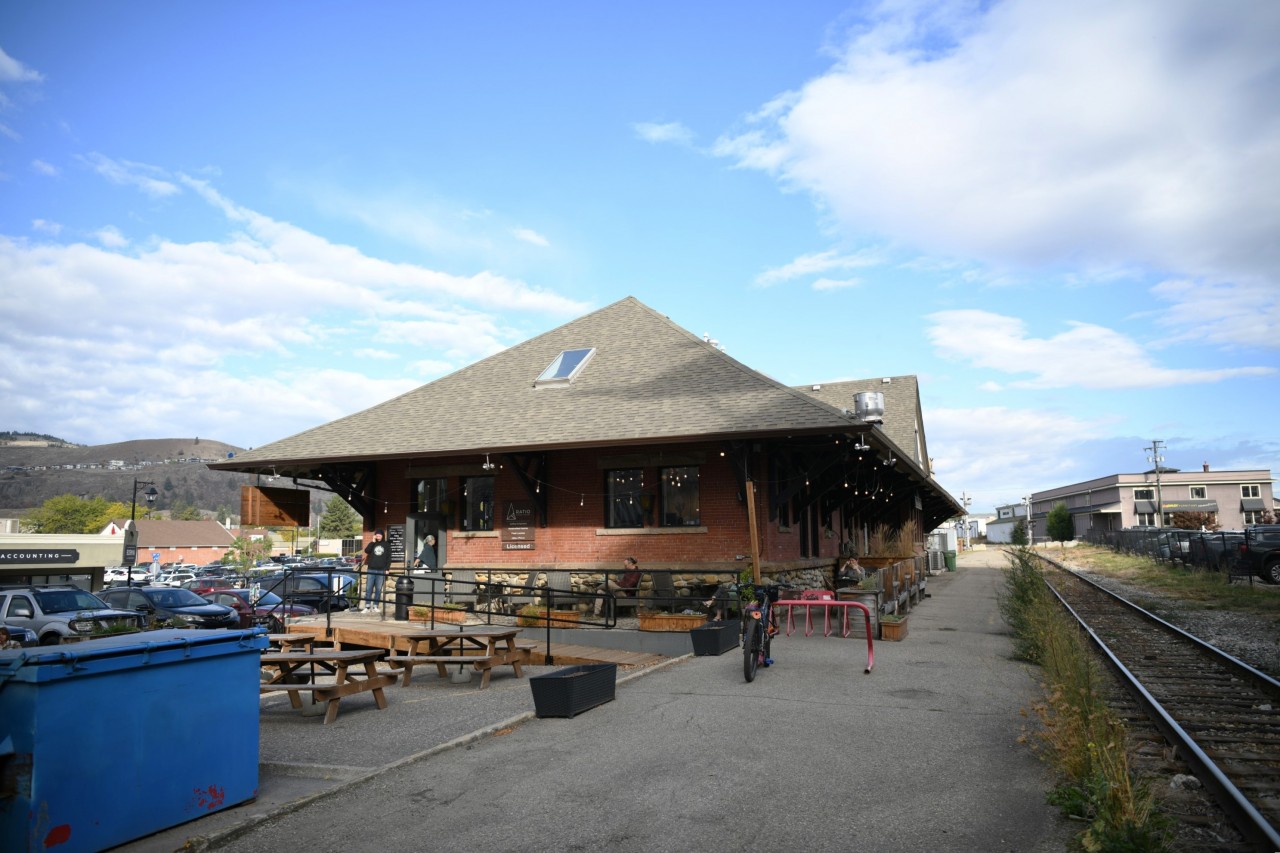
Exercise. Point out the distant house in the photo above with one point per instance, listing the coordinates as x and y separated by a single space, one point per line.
198 542
619 434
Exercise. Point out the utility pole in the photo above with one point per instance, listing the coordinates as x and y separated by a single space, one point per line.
965 500
1153 454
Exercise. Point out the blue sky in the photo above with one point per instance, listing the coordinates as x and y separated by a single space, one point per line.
241 220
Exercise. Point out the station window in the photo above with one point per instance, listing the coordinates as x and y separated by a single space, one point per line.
477 503
680 502
429 494
624 498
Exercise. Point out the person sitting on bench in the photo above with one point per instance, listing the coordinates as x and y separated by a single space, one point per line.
626 584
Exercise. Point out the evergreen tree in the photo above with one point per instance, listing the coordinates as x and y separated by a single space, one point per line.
339 521
1060 526
1019 534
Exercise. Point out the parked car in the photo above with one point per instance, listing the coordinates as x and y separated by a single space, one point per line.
122 573
1259 552
177 579
201 584
182 608
269 610
312 590
55 612
22 636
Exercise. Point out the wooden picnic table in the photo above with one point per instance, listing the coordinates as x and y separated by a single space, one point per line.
353 670
483 647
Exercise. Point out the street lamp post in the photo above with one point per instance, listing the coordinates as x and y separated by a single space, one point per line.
150 494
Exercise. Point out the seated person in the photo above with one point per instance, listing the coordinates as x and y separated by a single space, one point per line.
850 573
626 584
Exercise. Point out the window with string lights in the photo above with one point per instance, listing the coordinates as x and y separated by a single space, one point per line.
680 501
624 497
477 503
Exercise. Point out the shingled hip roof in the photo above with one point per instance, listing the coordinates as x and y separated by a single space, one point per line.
648 380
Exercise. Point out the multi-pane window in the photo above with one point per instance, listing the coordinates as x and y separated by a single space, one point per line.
680 503
1146 519
1250 491
1252 516
477 503
429 494
1144 494
1199 493
624 498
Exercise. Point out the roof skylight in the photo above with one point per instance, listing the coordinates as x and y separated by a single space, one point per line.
566 367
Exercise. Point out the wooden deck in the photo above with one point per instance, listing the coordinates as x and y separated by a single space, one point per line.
386 636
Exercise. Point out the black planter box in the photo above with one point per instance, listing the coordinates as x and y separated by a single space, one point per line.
574 689
714 638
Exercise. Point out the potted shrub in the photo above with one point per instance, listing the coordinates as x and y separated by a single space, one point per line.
574 689
452 613
653 620
533 616
714 638
893 626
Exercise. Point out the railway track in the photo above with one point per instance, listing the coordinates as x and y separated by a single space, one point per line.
1221 715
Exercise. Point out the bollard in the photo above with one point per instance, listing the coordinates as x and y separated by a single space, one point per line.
404 598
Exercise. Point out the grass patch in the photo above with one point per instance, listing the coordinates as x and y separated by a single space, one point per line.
1080 735
1207 589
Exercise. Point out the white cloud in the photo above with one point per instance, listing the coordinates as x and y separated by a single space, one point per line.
836 284
43 168
5 130
817 263
13 71
146 178
111 237
1241 314
44 226
528 235
1090 135
672 131
1084 356
232 337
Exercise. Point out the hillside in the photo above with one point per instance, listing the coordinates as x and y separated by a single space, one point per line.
145 459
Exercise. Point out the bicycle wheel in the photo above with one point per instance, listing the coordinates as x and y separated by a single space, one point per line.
751 651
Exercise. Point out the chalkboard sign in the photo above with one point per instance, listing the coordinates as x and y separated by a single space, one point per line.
395 536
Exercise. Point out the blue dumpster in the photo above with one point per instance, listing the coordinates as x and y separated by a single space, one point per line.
109 740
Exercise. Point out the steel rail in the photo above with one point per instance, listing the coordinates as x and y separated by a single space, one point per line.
1251 823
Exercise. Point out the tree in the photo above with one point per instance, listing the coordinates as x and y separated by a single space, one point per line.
1061 527
183 511
71 514
1019 534
1195 520
245 553
339 521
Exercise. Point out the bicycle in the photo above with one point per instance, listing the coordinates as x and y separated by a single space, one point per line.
759 625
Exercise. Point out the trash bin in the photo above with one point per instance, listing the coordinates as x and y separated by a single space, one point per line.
951 561
404 598
114 739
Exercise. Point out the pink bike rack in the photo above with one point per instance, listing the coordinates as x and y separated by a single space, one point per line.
826 603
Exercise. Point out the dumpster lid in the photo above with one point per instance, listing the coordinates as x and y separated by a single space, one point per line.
125 651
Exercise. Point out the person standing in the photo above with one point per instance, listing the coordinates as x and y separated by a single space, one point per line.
377 559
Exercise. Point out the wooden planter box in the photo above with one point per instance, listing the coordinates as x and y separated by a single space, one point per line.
559 619
893 630
572 690
442 614
671 621
714 638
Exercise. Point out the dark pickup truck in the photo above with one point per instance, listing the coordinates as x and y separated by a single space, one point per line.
1259 552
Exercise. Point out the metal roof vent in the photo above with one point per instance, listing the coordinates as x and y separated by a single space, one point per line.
868 407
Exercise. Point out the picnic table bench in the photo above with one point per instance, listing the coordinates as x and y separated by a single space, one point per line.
354 671
481 647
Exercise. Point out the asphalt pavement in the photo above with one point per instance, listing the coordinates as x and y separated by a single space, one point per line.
923 753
